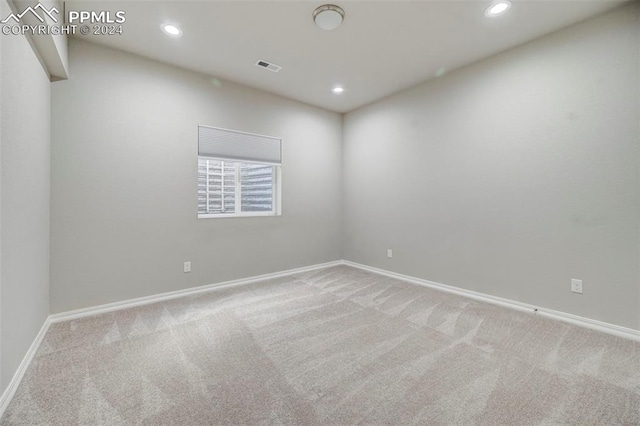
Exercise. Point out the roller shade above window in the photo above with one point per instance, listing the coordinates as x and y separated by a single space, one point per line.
234 145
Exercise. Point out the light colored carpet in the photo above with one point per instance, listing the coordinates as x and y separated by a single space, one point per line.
334 346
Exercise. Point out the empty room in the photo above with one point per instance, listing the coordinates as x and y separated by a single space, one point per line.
305 213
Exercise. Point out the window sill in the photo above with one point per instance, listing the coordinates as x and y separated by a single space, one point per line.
241 215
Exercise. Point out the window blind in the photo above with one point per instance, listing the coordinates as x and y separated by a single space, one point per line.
240 146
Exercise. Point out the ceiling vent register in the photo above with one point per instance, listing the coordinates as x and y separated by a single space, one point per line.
268 65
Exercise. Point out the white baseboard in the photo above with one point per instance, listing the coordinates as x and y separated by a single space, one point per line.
616 330
8 393
146 300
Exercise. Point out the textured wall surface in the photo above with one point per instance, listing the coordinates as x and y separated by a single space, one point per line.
510 176
24 225
124 167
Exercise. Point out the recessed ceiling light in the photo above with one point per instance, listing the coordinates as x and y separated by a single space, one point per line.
497 8
337 90
171 30
328 16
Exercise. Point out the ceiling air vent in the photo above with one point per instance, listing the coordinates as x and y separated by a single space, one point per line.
268 65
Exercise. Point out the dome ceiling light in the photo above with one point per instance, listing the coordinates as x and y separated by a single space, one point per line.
328 16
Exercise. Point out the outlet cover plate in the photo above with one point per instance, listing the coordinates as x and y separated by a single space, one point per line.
576 286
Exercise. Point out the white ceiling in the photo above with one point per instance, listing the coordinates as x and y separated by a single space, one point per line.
381 48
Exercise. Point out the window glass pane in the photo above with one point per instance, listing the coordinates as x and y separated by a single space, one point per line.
256 183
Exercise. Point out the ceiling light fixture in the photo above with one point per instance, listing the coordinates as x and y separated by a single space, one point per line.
497 8
337 90
328 16
171 30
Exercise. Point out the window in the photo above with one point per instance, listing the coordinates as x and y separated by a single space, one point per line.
238 174
229 188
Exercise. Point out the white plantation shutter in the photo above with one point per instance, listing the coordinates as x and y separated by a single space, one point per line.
237 173
239 146
216 187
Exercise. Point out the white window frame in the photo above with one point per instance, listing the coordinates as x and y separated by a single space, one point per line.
275 202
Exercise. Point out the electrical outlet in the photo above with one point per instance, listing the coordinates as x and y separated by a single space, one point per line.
389 253
576 286
187 266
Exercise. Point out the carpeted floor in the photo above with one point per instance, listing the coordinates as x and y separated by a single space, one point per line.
334 346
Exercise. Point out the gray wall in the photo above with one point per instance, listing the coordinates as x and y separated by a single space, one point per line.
510 176
124 168
24 199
